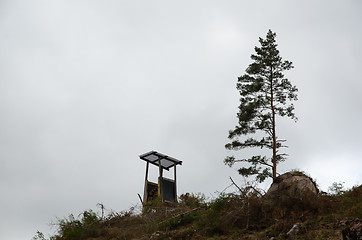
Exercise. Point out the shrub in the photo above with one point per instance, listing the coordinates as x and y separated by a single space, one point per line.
77 229
336 188
190 200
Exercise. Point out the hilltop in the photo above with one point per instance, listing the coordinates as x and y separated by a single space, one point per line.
247 214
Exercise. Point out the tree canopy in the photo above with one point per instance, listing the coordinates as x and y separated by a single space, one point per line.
264 94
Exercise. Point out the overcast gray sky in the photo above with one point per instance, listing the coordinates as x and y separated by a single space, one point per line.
87 86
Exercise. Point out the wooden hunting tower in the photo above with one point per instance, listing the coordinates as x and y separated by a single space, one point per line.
165 188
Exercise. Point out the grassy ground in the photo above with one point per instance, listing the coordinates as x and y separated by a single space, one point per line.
246 215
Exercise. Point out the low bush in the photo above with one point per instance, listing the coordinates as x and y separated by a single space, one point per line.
246 215
77 229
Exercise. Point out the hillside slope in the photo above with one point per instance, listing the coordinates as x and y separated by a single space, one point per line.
247 215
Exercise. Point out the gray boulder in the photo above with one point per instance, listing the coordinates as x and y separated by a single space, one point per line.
291 183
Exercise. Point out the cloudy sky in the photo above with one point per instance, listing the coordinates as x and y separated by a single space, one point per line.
88 86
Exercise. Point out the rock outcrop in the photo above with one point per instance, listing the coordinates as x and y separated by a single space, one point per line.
291 183
352 229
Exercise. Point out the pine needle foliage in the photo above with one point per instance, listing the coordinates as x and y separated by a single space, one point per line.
265 93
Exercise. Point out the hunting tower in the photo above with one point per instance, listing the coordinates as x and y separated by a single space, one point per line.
166 188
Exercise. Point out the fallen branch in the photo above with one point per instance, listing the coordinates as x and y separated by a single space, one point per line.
246 188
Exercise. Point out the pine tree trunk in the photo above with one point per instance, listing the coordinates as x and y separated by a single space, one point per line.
273 126
274 148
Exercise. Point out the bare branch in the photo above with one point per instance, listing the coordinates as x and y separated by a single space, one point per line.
235 184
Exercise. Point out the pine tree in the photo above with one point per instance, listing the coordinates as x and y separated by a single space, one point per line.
265 93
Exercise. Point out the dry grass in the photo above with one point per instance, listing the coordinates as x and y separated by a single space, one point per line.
246 215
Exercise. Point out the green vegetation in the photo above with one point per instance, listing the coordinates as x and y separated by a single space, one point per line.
246 215
336 188
264 94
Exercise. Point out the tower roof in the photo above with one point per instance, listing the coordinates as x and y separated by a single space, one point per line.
166 162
